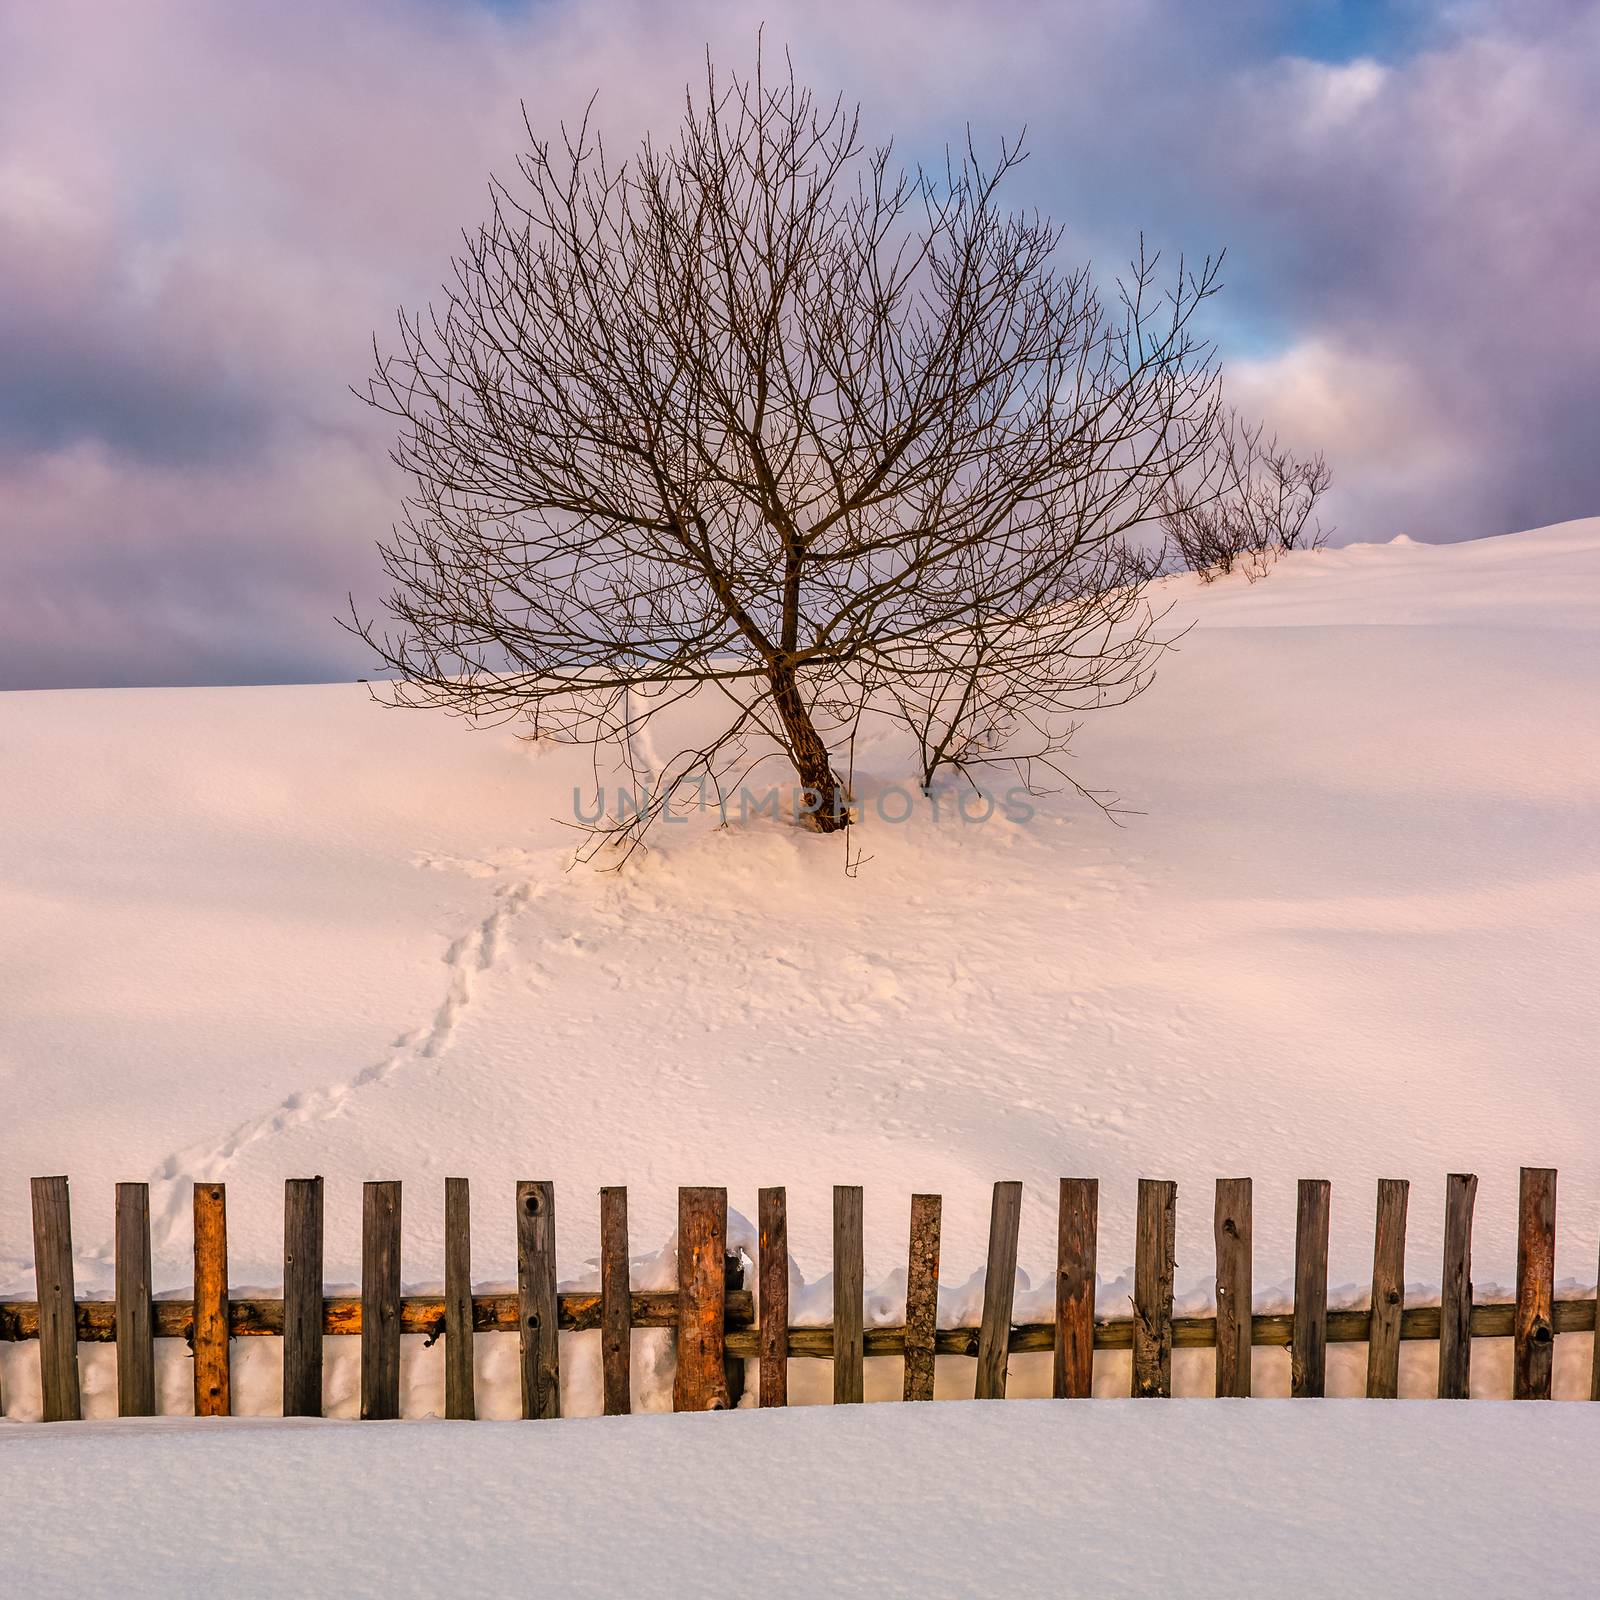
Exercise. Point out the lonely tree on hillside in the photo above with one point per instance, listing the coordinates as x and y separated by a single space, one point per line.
756 418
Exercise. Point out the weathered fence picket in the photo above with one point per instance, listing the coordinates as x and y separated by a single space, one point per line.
1077 1222
302 1297
616 1305
136 1349
58 1314
700 1382
1235 1295
1388 1289
849 1289
1594 1355
772 1283
380 1301
999 1291
1455 1291
1533 1355
1308 1356
538 1315
922 1296
1154 1264
213 1386
460 1393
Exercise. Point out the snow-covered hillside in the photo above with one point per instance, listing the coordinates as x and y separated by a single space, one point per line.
256 933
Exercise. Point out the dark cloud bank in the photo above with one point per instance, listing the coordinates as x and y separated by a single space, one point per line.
205 211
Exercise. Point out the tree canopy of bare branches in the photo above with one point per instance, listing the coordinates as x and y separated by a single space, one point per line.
756 415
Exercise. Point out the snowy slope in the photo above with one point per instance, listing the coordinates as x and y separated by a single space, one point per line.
256 933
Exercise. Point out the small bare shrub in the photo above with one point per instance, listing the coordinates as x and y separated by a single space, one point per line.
1252 502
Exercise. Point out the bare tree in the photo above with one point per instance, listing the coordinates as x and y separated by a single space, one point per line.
758 417
1250 502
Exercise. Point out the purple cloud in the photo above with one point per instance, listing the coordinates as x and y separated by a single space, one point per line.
206 211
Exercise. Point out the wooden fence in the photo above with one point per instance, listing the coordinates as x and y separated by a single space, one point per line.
716 1314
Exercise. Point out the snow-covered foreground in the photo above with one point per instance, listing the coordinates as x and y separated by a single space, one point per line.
247 934
1116 1498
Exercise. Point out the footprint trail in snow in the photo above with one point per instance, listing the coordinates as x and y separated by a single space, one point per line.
468 958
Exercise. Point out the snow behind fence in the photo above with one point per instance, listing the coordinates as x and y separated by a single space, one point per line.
721 1317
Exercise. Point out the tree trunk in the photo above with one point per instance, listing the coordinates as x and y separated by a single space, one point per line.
824 794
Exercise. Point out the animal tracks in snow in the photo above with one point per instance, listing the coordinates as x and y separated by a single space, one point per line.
469 957
473 953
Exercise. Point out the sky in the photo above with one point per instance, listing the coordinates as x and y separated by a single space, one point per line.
207 210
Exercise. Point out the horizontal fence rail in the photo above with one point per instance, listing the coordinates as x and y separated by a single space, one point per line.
720 1323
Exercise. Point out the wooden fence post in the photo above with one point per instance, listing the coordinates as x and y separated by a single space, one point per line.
1535 1333
136 1351
616 1305
302 1297
1594 1359
380 1301
922 1296
1308 1356
212 1384
56 1295
772 1275
536 1299
1455 1295
460 1394
701 1380
1235 1285
1388 1289
1077 1225
999 1292
1154 1262
849 1291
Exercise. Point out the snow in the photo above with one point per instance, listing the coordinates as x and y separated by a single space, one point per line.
1117 1498
247 934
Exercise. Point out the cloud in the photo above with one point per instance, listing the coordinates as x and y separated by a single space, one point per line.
206 211
124 572
1361 406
